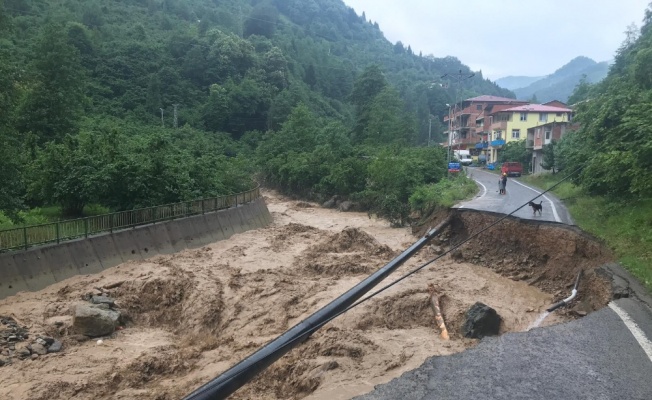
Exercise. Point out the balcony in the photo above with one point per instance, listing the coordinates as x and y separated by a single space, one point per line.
499 126
529 144
482 145
497 143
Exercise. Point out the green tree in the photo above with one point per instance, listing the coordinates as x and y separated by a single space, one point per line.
549 159
262 21
68 174
365 89
516 152
216 110
388 122
582 91
11 157
54 102
310 76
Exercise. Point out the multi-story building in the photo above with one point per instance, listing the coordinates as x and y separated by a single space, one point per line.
467 128
512 123
541 135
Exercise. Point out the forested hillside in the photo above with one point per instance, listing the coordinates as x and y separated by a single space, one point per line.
614 144
89 91
612 153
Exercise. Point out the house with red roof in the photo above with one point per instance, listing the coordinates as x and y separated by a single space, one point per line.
467 125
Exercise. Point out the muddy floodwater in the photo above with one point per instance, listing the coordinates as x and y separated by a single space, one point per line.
194 314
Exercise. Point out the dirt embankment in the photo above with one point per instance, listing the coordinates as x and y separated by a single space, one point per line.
546 255
192 315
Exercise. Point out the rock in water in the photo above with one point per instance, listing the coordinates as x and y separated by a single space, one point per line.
55 347
93 321
38 348
481 321
103 300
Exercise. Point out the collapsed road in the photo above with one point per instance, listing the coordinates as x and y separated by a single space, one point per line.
606 354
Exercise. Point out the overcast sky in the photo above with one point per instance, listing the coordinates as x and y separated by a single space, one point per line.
507 37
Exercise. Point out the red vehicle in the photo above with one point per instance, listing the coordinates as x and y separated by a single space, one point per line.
512 168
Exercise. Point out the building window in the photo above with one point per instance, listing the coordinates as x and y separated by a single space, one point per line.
478 107
559 114
543 117
516 133
523 116
548 133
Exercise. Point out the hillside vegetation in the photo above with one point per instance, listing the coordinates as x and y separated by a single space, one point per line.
611 193
138 102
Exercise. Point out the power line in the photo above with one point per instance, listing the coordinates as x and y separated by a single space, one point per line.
316 327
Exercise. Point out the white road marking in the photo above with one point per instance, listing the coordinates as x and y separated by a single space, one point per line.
640 337
484 188
554 209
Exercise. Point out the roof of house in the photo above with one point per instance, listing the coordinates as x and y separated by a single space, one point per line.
488 99
555 103
538 108
556 123
495 108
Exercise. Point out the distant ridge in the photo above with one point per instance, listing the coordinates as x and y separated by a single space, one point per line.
558 85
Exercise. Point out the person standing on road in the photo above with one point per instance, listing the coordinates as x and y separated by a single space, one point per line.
503 183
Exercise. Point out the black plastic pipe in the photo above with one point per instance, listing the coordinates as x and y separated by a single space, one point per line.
231 380
569 298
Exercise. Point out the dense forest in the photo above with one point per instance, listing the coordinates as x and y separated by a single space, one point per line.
139 102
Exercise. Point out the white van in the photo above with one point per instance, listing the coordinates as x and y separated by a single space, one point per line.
463 156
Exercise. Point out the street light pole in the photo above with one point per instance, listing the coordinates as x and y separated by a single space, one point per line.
450 133
459 77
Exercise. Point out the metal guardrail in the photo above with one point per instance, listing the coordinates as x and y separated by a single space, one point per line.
57 232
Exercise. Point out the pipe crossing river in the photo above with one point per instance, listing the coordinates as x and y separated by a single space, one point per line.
235 377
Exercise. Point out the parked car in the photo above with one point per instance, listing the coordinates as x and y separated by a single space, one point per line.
512 168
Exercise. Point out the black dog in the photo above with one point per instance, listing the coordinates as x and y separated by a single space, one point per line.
536 207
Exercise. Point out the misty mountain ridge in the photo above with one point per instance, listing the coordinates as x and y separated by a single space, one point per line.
560 84
517 82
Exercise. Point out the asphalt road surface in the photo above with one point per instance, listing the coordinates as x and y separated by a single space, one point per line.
518 194
605 355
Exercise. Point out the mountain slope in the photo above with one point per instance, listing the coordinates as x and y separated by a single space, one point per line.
142 56
517 82
133 103
560 84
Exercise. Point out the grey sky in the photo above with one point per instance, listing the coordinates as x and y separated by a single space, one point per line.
507 37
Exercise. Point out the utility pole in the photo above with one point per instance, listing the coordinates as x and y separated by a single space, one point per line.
450 133
459 76
429 129
176 126
162 123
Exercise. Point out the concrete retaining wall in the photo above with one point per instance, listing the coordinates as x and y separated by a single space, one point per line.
36 268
